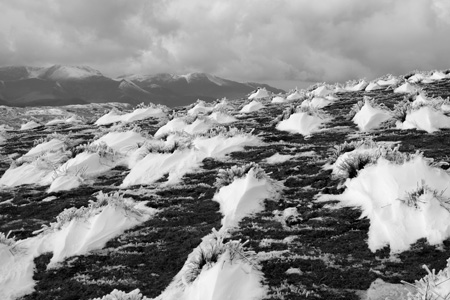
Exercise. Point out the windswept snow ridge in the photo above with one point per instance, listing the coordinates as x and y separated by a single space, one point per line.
401 208
76 232
303 123
370 117
227 272
244 196
139 114
425 118
252 106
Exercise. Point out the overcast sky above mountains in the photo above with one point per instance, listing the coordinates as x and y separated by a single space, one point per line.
279 42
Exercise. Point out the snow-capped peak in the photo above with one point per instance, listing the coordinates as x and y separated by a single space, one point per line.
70 72
190 77
195 76
127 84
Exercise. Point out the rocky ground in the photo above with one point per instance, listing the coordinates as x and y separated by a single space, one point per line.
324 247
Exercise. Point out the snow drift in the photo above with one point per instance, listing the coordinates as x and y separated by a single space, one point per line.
425 118
217 271
252 106
404 202
138 114
302 123
259 94
244 196
76 232
370 117
182 161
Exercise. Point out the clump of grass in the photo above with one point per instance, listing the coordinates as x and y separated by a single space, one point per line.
434 103
312 111
226 131
387 77
42 162
102 149
227 176
412 73
345 147
122 127
209 252
120 295
282 291
353 82
288 111
405 107
6 240
315 86
401 110
164 108
205 256
192 105
79 172
359 105
66 138
412 198
222 105
350 158
10 243
433 286
355 109
350 167
116 200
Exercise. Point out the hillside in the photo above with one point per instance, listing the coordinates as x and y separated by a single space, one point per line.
64 85
333 192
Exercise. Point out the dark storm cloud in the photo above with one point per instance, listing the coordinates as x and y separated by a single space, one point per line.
300 40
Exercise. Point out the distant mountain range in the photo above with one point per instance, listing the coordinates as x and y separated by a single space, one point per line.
64 85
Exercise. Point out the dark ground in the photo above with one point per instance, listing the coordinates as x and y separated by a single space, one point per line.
328 245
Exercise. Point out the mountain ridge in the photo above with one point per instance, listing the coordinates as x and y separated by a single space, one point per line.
28 86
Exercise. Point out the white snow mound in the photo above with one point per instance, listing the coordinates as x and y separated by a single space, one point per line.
259 94
369 117
242 197
88 229
136 115
252 106
425 118
381 192
302 123
406 88
29 125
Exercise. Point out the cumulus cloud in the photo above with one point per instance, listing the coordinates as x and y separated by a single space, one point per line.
290 40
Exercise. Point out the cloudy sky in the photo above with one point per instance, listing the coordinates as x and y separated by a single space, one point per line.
286 42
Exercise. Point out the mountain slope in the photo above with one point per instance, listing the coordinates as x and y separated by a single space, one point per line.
177 90
62 85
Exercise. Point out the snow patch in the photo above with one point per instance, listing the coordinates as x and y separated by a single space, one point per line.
252 106
76 232
406 88
278 99
357 87
29 125
199 108
222 118
369 117
425 118
261 93
294 96
381 191
242 197
138 114
278 158
302 123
